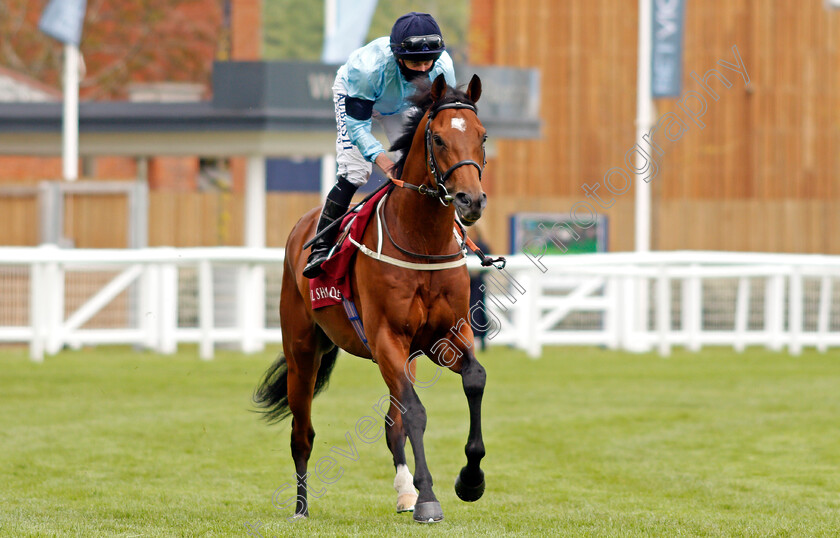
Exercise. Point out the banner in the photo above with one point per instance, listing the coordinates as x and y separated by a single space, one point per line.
511 95
350 28
62 19
666 48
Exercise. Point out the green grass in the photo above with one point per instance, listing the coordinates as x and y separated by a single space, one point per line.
585 442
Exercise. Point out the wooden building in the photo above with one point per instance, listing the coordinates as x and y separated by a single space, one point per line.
763 174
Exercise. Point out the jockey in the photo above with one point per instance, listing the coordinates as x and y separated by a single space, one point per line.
376 82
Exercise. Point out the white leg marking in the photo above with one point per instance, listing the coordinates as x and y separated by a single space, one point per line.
404 484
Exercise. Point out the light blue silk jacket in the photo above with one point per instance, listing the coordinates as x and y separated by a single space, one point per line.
371 73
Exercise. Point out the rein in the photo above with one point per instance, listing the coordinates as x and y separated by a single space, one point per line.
460 230
377 254
433 257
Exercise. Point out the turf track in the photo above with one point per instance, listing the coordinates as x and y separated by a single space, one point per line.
584 442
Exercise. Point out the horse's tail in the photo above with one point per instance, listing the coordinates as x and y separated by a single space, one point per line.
272 394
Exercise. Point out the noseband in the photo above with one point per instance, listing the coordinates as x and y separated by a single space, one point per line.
440 191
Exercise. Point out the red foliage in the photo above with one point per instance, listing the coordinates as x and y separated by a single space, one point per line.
122 42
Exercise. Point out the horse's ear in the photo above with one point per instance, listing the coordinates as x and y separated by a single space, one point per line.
438 88
474 89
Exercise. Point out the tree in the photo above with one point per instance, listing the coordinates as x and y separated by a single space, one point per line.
294 29
122 42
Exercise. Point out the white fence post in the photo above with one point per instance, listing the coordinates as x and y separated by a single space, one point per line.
612 312
774 301
627 322
824 314
149 306
692 308
205 309
526 315
250 292
663 311
37 311
642 340
742 304
534 340
795 319
168 313
256 289
54 302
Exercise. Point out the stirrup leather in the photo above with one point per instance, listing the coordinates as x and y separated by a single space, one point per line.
322 246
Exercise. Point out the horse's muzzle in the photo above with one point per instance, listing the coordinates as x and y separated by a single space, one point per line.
470 207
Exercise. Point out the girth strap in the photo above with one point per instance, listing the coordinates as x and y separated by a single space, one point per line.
355 320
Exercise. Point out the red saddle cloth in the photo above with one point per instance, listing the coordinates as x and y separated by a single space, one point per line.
328 288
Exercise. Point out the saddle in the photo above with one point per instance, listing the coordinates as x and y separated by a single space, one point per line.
333 283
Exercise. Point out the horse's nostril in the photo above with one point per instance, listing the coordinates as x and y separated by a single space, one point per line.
483 203
463 199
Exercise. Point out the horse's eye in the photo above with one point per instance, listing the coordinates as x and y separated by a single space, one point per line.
483 140
438 140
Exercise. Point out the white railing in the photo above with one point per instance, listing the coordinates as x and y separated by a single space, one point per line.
140 294
156 298
661 299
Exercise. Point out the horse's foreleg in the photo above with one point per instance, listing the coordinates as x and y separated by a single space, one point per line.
470 482
427 509
391 354
403 481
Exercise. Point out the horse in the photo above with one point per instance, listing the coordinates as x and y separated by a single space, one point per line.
417 306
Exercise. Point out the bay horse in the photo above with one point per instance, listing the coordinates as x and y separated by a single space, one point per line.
405 309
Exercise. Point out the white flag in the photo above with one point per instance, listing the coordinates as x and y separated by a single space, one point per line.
62 19
352 21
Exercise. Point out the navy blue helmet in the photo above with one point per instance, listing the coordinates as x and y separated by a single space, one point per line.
417 36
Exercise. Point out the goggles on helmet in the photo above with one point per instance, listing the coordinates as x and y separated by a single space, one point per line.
422 43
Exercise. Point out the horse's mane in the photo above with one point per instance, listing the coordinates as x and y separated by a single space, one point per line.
422 102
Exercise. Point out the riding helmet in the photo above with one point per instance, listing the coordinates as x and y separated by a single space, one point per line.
417 36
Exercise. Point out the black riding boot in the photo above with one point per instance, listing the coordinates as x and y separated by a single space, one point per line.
338 200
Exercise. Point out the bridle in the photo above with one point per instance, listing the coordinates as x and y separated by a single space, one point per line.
439 191
445 198
431 161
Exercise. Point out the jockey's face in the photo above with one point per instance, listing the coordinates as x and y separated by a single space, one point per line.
421 65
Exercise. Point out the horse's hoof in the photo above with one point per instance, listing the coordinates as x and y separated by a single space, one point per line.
469 490
299 516
428 512
405 502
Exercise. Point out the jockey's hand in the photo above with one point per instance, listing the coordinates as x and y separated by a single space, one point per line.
386 164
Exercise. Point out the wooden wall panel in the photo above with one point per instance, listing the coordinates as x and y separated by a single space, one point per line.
20 218
763 175
283 211
96 221
764 172
182 219
193 219
175 219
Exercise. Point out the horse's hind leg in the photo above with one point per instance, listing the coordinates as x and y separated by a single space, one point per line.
303 369
303 345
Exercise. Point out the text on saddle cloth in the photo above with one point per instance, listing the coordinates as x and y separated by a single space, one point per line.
328 288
